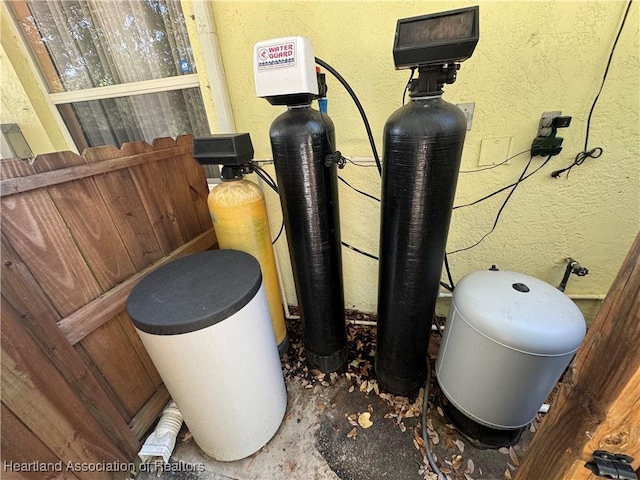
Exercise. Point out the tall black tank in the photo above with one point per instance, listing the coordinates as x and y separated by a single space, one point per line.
301 139
422 149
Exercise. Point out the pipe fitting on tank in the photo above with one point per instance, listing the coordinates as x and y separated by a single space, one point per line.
572 267
160 444
335 157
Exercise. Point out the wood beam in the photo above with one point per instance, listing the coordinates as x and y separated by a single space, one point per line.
598 405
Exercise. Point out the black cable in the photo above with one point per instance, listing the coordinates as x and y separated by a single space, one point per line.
449 276
269 181
359 251
606 72
500 190
359 191
353 95
497 164
579 160
279 233
266 178
425 437
597 151
504 204
406 88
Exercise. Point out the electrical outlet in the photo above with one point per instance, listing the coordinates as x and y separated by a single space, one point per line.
467 109
548 143
546 120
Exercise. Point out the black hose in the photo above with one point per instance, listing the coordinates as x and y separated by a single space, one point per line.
425 437
353 95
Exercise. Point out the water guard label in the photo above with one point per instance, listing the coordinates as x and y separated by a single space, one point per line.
280 55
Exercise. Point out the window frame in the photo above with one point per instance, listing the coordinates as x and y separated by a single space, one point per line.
210 76
142 87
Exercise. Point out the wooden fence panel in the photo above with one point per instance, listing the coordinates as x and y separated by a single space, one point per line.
180 190
34 227
87 217
123 201
23 294
153 187
24 447
598 405
108 349
35 392
78 232
197 183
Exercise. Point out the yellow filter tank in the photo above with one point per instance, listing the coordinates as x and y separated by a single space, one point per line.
239 215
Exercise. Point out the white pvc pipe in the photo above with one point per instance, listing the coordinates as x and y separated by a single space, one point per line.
208 36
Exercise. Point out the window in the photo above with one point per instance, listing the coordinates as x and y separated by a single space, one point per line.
117 71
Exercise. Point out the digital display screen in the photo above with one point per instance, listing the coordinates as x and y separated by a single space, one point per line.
436 38
430 30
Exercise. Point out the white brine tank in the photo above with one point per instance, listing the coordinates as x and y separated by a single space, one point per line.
507 341
204 319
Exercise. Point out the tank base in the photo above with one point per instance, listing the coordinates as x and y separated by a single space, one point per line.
480 436
399 385
284 346
327 363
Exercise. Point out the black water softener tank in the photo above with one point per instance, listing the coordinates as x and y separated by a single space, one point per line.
422 149
301 140
423 143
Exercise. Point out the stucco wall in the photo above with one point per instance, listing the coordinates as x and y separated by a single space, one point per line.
16 108
24 99
532 57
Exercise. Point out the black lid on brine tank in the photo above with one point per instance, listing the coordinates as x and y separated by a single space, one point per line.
194 292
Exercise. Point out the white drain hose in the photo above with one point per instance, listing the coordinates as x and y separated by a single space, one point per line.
160 444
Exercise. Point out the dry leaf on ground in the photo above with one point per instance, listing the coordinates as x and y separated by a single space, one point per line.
364 420
513 456
470 467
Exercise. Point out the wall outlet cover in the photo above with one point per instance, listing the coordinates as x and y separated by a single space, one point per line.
494 150
467 109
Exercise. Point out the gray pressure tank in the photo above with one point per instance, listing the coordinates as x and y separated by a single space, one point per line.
507 341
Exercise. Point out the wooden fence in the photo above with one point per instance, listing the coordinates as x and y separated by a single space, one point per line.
77 233
598 404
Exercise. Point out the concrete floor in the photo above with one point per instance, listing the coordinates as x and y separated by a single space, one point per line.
316 440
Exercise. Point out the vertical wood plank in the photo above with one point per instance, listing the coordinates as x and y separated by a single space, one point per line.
15 167
598 406
117 360
109 348
180 191
34 227
130 331
87 217
38 316
121 198
37 394
197 182
20 445
153 190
